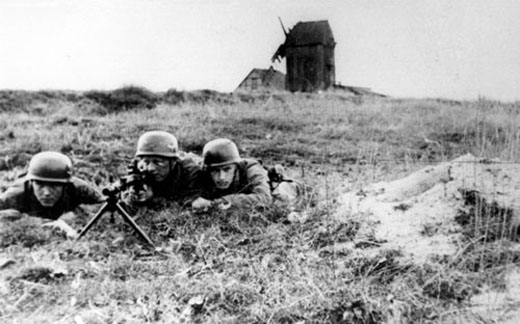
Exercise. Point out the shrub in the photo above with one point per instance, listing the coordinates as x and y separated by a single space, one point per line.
173 97
28 101
11 101
123 99
135 97
205 96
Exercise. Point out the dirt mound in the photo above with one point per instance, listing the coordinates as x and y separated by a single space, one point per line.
439 213
423 214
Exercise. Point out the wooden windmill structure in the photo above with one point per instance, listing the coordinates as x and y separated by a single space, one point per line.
309 52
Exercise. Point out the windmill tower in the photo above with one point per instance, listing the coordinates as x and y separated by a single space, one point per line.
309 52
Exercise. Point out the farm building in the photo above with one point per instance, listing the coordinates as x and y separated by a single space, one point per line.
263 79
309 52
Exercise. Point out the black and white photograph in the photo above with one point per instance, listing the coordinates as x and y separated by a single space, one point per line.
259 161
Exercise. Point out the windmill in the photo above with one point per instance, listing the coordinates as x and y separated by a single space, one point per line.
309 53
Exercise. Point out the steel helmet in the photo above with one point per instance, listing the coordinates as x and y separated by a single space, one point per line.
159 143
50 167
220 152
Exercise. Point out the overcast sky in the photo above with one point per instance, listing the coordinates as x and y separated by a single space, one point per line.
459 49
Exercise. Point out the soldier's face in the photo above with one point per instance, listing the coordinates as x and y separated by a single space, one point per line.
47 193
158 167
223 176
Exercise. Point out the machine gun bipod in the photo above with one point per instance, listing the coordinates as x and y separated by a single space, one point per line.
113 204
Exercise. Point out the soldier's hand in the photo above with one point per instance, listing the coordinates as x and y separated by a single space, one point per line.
68 217
222 204
61 225
132 196
201 205
10 215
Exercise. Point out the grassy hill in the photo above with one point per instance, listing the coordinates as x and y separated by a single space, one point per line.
246 267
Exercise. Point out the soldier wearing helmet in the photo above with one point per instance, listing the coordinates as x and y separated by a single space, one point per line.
48 190
231 180
172 177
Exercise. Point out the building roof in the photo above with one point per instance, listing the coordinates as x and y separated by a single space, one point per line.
268 77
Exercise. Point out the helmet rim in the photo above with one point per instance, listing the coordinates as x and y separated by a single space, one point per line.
150 153
216 165
44 179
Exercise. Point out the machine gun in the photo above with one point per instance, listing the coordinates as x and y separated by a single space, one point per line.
276 176
136 180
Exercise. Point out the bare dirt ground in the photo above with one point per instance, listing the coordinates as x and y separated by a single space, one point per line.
431 214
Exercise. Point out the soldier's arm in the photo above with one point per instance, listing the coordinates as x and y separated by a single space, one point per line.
12 198
193 179
257 192
87 193
10 204
5 201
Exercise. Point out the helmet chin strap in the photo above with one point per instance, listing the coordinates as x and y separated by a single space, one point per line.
172 162
236 176
64 188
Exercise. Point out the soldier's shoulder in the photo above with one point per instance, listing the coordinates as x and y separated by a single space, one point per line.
190 160
86 190
81 185
78 182
251 163
252 167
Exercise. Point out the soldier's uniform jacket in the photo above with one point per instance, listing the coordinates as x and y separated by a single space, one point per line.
183 184
21 197
249 188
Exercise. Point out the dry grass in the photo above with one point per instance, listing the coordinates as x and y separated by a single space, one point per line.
247 266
